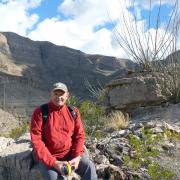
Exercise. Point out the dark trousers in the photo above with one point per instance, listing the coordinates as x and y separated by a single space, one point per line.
86 170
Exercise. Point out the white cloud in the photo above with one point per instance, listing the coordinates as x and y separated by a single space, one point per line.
86 12
152 44
71 34
78 29
14 15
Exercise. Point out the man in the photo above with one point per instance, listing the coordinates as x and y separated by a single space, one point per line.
60 140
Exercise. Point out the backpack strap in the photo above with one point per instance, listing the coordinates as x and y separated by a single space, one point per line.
72 111
44 110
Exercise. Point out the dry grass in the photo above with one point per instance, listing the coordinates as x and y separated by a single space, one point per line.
117 120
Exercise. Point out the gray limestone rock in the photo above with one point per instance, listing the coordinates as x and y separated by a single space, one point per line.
134 91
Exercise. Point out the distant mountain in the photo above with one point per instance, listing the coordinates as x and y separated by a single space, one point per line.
27 66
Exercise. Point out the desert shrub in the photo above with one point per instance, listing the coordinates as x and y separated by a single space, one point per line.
116 120
154 51
171 135
90 114
97 92
159 173
73 101
169 79
17 132
95 121
144 149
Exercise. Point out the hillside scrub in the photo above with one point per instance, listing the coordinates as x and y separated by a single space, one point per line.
140 145
19 131
116 120
91 115
154 49
96 120
145 150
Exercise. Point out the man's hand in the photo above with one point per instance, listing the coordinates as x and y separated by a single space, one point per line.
75 162
59 164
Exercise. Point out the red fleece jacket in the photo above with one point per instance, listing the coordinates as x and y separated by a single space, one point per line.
59 137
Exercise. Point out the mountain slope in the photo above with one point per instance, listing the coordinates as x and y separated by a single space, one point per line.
45 63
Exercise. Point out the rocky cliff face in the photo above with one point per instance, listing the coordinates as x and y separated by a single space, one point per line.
46 63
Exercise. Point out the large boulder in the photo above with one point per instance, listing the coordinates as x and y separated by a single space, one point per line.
16 159
135 90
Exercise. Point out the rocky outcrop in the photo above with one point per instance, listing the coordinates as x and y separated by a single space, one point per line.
16 159
108 154
47 63
168 113
135 90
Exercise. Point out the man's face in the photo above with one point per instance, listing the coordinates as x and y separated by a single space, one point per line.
59 97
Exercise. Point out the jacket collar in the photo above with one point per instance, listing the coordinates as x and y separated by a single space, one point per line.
53 107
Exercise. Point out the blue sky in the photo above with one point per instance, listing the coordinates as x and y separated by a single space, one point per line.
47 9
163 14
86 25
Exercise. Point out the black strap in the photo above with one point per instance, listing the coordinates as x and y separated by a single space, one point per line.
44 110
73 112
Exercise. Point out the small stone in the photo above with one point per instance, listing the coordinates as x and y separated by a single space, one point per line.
157 130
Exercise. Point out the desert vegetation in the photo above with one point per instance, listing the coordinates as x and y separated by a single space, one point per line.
98 124
154 49
17 132
145 149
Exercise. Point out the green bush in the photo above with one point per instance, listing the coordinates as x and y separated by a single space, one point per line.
143 150
172 135
73 101
17 132
90 114
159 173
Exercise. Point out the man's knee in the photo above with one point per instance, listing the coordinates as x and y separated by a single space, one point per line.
86 169
48 174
